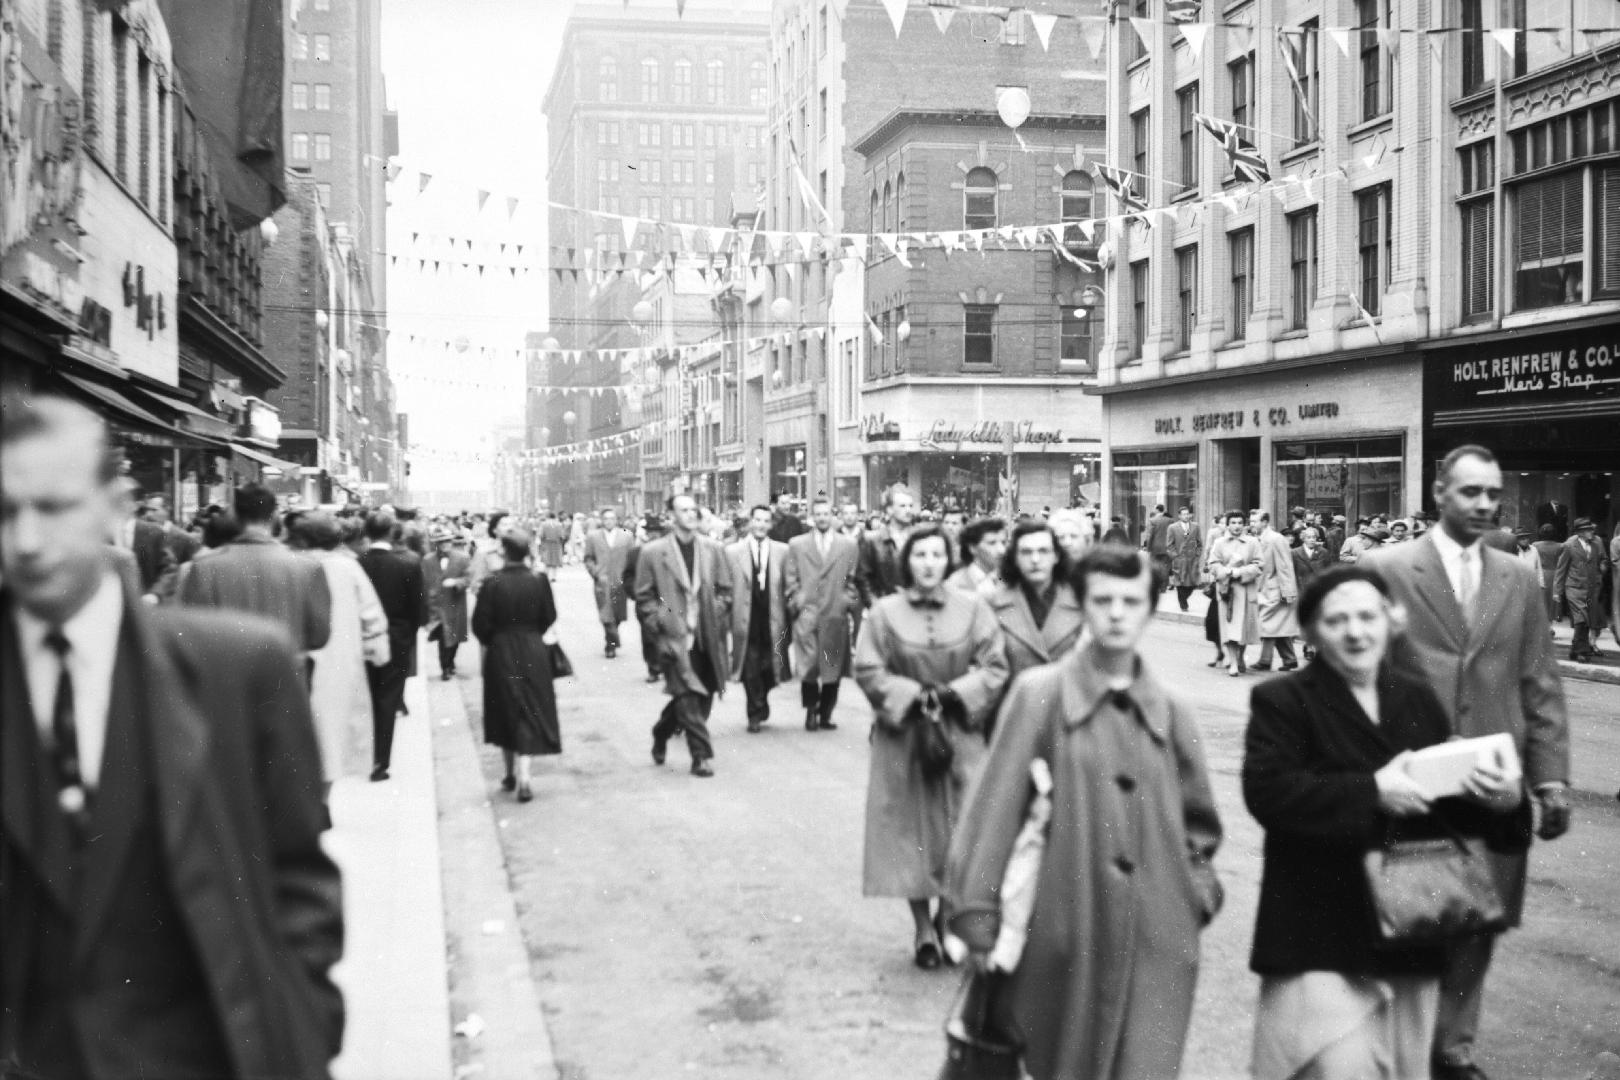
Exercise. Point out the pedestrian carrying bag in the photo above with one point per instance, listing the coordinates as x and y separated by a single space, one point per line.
932 743
973 1050
1433 890
561 668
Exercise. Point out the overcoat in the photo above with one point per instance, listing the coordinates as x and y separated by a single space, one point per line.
259 576
677 612
339 694
821 596
1029 645
1278 593
553 534
910 642
515 608
605 554
1186 550
1496 674
739 559
447 604
1235 563
879 572
1105 987
1579 578
209 724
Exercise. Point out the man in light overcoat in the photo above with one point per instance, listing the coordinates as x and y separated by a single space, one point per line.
1279 593
821 596
759 619
1186 550
606 550
1477 632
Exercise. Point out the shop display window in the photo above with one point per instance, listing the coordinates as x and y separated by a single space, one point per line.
1353 477
1143 479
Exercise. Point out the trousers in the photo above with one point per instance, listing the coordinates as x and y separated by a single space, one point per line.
1462 994
387 695
687 713
447 656
610 634
758 677
820 697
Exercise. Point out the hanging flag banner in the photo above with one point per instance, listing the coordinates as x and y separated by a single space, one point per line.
1121 183
897 13
1246 160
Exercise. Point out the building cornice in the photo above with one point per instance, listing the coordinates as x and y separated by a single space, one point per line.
900 119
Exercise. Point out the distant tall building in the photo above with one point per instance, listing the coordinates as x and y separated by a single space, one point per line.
655 115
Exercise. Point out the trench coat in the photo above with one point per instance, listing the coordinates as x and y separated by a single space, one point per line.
1029 645
1186 550
1104 990
740 561
821 595
447 604
1237 561
552 535
339 693
905 647
605 553
1278 594
666 599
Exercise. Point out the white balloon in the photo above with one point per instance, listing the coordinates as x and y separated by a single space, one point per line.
781 308
1012 103
903 331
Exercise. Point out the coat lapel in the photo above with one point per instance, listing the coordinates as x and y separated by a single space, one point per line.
1433 587
1017 621
23 767
1495 594
1084 689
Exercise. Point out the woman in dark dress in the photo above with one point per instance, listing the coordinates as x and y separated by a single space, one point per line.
514 615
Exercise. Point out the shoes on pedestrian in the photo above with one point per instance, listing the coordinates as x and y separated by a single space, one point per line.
611 651
525 793
1292 665
445 676
701 767
1217 662
810 723
1262 665
1184 607
659 745
827 725
1467 1070
508 782
925 952
753 727
1233 670
652 676
378 773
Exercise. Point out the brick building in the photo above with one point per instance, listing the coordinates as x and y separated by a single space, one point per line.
1307 344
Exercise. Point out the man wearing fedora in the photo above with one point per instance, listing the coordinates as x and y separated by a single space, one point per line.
445 573
1577 582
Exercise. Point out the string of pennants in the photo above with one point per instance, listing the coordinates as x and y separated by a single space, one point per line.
586 450
638 354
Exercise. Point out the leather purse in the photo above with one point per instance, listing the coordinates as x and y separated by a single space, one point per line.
1426 891
561 668
932 743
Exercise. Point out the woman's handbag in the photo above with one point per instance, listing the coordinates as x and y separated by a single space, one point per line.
932 743
1433 890
973 1051
560 666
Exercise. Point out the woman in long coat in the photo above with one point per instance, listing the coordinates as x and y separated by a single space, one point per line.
1104 987
1034 604
514 615
924 637
1234 562
339 694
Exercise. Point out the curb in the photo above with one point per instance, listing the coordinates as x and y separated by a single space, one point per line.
489 972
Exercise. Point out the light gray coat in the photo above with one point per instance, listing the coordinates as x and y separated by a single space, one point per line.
821 594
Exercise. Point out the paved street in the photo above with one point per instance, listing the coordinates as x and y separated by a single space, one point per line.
678 926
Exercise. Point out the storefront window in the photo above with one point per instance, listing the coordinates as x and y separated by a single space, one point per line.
1085 480
1145 479
967 482
788 471
1353 477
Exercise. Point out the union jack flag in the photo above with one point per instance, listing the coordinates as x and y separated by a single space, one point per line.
1246 160
1122 184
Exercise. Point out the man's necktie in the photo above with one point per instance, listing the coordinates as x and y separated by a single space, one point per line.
70 790
1467 587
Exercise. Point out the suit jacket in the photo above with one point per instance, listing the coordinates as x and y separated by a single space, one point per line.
1279 590
1156 535
1029 645
605 557
1579 573
157 563
821 594
261 577
1496 674
666 599
1186 550
182 545
878 574
398 581
787 526
740 559
203 922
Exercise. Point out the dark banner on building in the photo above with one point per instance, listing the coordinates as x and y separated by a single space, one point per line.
1555 368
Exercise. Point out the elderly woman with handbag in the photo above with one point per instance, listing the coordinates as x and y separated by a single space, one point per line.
932 662
1234 567
1345 992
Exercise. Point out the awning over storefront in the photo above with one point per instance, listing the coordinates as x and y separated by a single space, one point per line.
285 468
124 408
189 417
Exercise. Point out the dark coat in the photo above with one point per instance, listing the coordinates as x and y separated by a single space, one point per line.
447 604
1310 755
665 596
156 561
515 607
878 573
206 911
400 588
259 576
786 526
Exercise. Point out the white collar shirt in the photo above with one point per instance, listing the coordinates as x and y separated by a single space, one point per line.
92 636
1457 560
761 560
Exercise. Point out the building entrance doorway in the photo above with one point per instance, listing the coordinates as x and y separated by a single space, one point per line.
1237 474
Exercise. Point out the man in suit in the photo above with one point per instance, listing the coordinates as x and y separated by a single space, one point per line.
785 524
397 577
683 597
1554 513
1577 581
879 572
1477 632
145 541
446 573
606 549
822 597
181 544
849 523
256 574
166 909
1156 539
759 622
1279 592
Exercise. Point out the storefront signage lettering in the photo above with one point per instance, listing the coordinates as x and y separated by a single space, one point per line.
990 431
879 428
1528 370
1236 419
149 314
1540 371
41 170
96 322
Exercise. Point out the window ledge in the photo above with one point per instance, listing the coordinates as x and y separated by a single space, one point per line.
1190 195
1372 127
1232 345
1474 98
1301 152
1293 335
1179 354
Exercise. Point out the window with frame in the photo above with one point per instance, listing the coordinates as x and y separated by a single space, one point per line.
1302 54
323 97
1478 52
1240 248
299 150
1374 244
1139 153
607 133
649 79
1139 307
979 334
1549 215
323 146
1186 295
821 115
900 342
887 221
1079 330
873 219
323 47
1302 267
122 45
1532 52
607 79
1187 133
821 30
1241 74
708 172
652 171
714 82
1371 17
650 134
650 207
756 84
300 46
681 82
1075 196
899 203
298 98
1134 49
979 199
1476 209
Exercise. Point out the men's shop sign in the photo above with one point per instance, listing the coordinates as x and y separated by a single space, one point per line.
1275 416
1528 370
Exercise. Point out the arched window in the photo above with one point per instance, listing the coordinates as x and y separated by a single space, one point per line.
979 199
714 81
888 207
756 83
1076 195
900 203
649 79
683 82
607 79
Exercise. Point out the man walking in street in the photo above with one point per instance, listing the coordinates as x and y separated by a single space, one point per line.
445 575
606 550
984 545
397 577
1577 582
849 523
146 542
181 544
1279 592
821 596
1477 633
1156 540
879 573
1186 550
166 909
759 619
683 597
785 524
